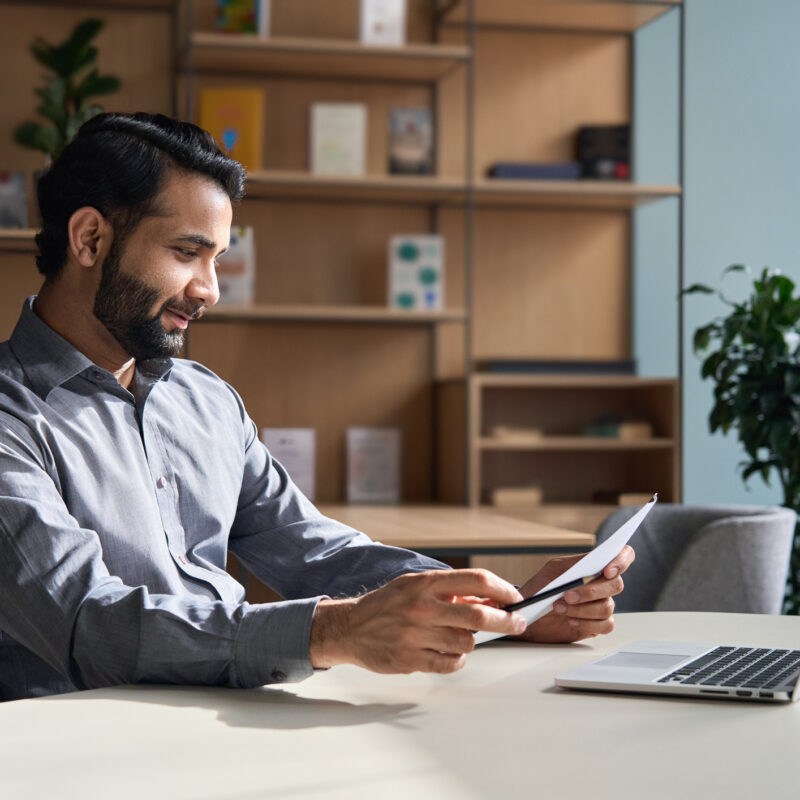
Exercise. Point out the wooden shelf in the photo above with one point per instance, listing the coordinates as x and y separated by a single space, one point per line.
371 314
570 194
17 240
593 443
556 381
331 58
432 189
593 15
394 188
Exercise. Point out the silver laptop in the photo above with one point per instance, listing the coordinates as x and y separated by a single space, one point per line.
693 670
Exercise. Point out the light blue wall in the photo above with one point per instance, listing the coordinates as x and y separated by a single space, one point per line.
741 195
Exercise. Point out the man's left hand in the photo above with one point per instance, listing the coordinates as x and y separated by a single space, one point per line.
583 612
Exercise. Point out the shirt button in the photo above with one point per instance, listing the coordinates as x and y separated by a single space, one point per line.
278 676
98 376
161 482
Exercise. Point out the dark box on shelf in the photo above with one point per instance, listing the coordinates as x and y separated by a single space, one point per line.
604 151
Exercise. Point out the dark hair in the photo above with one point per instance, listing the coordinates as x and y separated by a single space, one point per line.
118 164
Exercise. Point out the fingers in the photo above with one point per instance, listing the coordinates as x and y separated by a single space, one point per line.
620 563
473 583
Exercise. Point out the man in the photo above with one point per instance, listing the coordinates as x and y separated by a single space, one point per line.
127 474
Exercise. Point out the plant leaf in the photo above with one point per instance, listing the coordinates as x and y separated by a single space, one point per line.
38 137
698 288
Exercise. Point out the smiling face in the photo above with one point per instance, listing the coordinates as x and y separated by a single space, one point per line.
163 274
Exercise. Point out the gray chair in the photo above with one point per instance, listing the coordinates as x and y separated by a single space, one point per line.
706 558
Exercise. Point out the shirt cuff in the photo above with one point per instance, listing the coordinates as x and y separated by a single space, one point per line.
273 642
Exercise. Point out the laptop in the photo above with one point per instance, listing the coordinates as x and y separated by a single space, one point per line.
689 669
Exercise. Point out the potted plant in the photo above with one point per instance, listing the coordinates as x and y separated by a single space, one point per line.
65 95
755 365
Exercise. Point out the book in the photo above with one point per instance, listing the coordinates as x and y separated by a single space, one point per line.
236 269
338 139
295 449
383 22
517 496
373 465
243 16
410 141
509 432
235 117
567 171
13 200
416 272
612 426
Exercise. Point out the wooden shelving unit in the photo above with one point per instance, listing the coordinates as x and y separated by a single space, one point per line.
535 270
571 468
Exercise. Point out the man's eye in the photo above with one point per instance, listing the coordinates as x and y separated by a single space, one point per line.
186 253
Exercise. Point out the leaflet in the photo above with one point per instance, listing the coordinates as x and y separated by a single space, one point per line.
591 564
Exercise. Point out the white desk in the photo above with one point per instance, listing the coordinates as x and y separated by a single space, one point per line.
498 729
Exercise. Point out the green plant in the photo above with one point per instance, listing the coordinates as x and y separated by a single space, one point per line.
64 97
755 364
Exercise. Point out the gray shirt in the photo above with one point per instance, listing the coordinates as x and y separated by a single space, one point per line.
117 510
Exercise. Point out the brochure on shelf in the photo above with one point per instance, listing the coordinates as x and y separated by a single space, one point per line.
383 22
416 272
338 139
236 269
373 465
235 117
295 449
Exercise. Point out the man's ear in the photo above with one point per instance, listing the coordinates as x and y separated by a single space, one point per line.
89 236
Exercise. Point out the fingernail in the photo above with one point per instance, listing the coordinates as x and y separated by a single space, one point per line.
572 597
612 572
560 607
574 623
520 624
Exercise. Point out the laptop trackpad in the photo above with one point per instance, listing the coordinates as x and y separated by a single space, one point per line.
656 661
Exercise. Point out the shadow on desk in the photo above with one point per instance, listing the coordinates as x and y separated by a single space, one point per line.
264 708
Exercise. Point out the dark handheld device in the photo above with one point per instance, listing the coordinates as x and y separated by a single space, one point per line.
535 598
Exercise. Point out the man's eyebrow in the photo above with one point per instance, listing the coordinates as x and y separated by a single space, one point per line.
198 239
202 241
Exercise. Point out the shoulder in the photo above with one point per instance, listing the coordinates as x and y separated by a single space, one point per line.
203 390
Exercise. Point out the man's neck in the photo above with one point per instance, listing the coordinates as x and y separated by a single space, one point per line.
74 321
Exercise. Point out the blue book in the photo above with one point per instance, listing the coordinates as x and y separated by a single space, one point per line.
568 171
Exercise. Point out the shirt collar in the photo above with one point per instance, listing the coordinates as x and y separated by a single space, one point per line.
49 360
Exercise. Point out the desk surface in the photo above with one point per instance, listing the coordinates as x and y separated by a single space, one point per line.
454 527
496 729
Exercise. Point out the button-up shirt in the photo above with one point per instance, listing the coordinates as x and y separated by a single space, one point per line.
117 509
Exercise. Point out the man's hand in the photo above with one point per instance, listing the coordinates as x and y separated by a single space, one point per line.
417 622
583 612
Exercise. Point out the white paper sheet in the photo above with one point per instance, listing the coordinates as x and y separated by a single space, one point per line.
591 564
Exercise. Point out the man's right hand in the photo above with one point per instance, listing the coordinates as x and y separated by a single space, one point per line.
417 622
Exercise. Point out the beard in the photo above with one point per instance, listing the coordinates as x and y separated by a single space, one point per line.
124 303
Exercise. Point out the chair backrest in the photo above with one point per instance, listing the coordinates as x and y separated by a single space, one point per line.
707 558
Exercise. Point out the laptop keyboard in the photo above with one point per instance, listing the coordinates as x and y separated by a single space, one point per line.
740 667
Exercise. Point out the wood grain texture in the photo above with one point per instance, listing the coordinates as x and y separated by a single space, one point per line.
329 377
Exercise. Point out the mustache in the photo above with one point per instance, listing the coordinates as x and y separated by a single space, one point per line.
189 310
